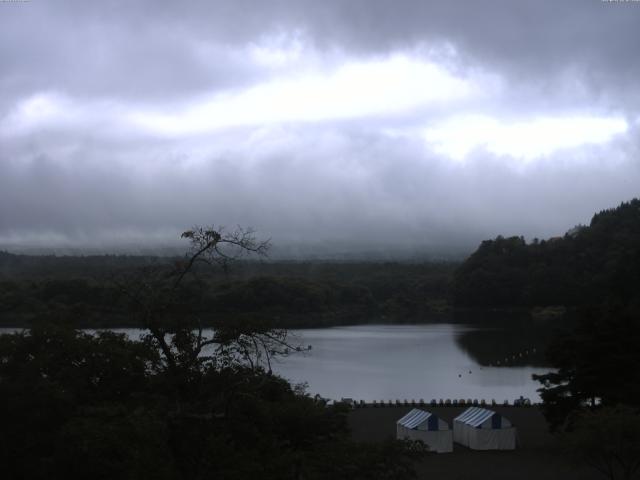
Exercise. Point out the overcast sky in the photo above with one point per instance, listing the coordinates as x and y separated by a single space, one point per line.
329 125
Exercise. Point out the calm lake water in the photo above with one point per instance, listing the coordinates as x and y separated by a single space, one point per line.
389 362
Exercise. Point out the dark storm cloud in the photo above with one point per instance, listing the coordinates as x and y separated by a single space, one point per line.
157 48
89 153
388 193
61 46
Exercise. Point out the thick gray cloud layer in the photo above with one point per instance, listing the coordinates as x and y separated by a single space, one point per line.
314 122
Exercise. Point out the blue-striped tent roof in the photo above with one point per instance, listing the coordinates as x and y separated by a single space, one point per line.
476 416
417 417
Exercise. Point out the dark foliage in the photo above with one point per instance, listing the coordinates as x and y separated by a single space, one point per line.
608 440
586 266
178 403
598 363
102 406
289 294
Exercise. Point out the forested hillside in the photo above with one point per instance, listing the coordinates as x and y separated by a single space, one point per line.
90 290
586 265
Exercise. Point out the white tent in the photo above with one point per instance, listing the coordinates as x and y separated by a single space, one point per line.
482 429
425 426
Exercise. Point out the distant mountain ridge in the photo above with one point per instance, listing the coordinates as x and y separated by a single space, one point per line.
586 265
14 266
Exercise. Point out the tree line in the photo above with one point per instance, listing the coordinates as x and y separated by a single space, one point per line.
589 264
180 402
293 294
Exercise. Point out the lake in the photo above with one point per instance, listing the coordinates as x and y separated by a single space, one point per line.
389 362
425 361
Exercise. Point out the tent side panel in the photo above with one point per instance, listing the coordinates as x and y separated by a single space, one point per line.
458 432
488 439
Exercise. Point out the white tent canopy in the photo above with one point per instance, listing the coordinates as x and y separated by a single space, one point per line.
482 429
425 426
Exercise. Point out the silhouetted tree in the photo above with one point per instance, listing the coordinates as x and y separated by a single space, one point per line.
607 439
179 404
598 363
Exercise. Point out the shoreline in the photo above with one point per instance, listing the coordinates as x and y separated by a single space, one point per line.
345 318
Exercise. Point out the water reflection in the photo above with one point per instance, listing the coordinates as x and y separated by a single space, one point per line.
512 339
388 362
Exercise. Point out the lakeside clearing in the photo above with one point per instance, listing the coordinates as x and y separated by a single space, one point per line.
539 454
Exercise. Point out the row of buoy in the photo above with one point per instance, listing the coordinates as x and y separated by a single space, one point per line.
512 358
